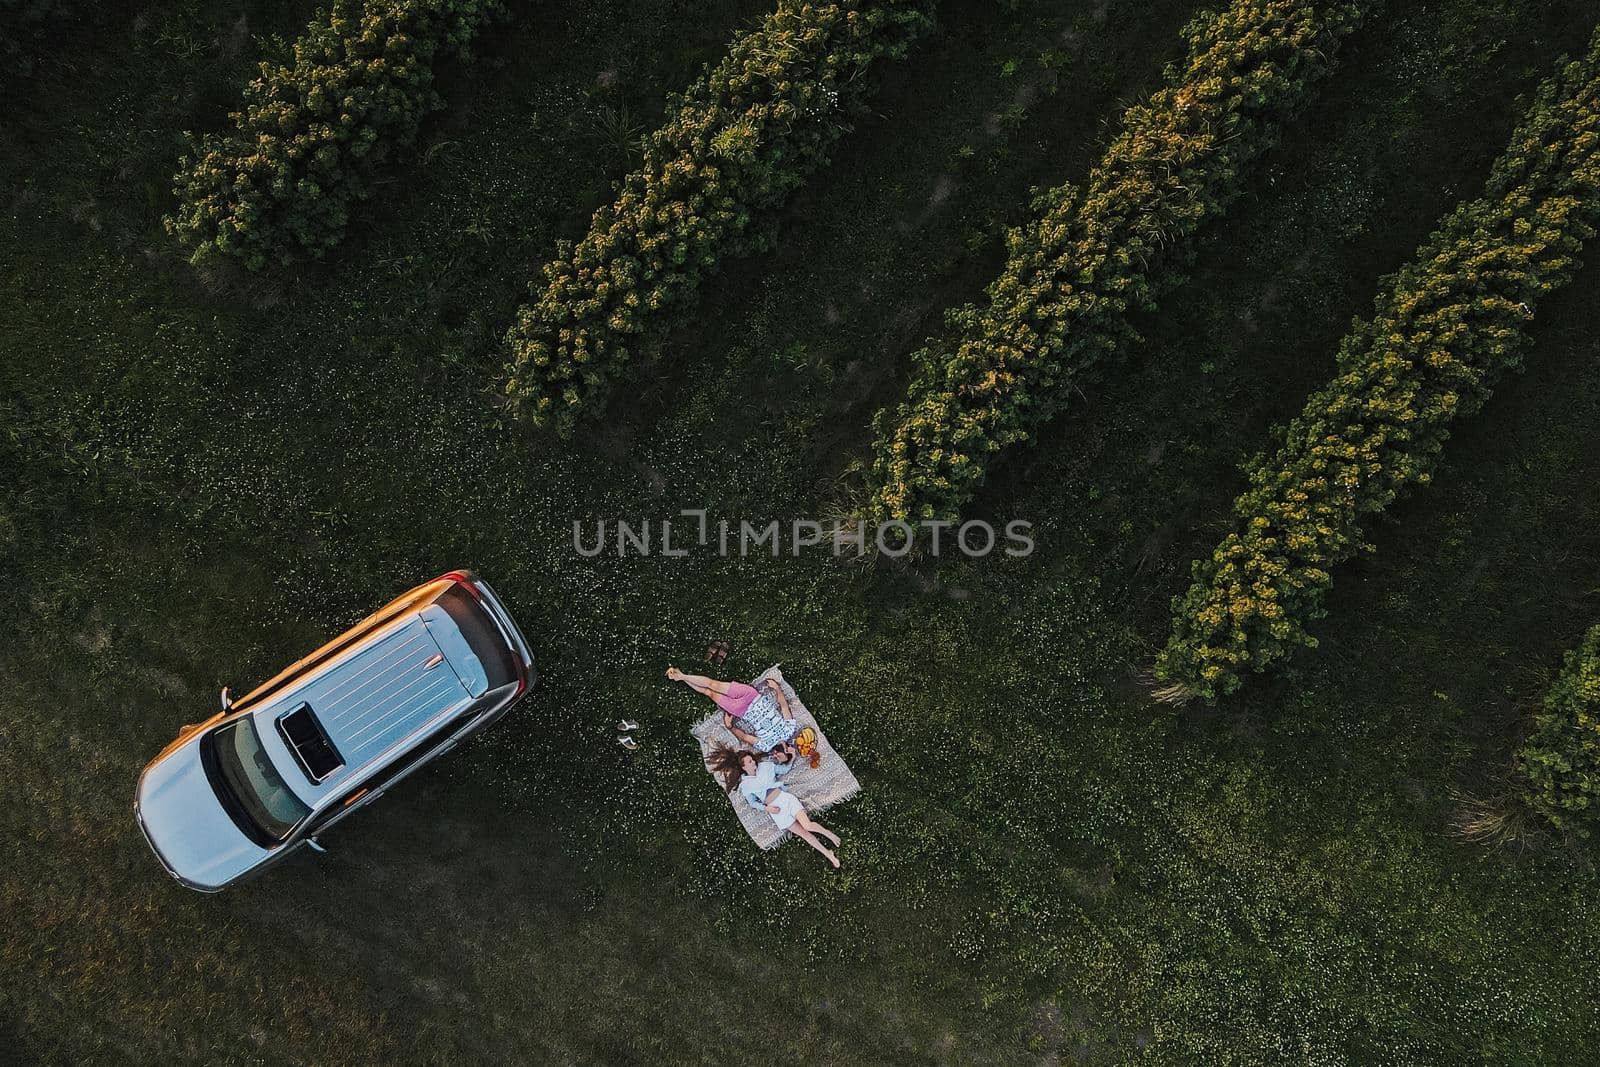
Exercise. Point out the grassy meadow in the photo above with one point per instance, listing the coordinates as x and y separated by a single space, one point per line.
208 471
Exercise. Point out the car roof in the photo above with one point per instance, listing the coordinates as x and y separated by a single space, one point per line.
378 696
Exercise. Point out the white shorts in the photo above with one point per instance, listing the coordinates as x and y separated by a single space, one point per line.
788 807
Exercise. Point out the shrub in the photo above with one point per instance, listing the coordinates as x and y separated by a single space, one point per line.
280 185
732 148
1448 324
1089 255
1560 762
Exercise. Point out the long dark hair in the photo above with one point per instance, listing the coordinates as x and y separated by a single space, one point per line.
728 764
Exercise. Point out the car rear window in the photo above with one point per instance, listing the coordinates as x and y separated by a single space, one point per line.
481 635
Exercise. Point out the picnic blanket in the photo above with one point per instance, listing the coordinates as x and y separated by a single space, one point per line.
817 788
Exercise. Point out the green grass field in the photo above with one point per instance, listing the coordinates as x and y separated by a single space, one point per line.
208 473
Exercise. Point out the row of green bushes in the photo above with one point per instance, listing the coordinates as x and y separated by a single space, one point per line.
1560 761
1446 327
1091 255
280 185
733 146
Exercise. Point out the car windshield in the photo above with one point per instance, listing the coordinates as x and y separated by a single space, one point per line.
250 786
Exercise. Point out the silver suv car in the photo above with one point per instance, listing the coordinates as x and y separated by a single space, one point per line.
328 735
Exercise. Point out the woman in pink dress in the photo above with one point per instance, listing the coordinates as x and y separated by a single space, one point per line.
764 720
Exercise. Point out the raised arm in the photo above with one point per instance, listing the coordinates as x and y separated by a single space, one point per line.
747 738
783 702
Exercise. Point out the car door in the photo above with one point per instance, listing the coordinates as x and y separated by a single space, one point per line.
335 812
437 744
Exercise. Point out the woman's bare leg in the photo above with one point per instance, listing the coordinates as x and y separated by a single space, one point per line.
811 826
805 835
698 682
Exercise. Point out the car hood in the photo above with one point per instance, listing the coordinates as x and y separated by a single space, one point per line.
186 824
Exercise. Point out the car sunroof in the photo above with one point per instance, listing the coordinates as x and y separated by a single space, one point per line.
309 742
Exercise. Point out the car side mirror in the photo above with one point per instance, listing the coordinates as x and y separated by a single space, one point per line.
316 846
227 699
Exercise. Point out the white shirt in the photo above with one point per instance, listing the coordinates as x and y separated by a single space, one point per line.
755 787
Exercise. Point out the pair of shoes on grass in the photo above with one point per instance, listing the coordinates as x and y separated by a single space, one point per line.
624 727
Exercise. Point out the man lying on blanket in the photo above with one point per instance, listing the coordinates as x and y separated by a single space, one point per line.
762 720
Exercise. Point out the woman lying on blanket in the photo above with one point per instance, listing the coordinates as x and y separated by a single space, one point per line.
757 780
764 719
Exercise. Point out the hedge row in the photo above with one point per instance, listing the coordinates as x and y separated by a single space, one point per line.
733 147
1447 326
1092 254
1560 761
280 185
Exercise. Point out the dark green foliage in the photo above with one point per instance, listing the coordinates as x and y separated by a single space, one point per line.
1092 255
1561 760
23 25
1448 325
313 134
1037 869
733 147
12 498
